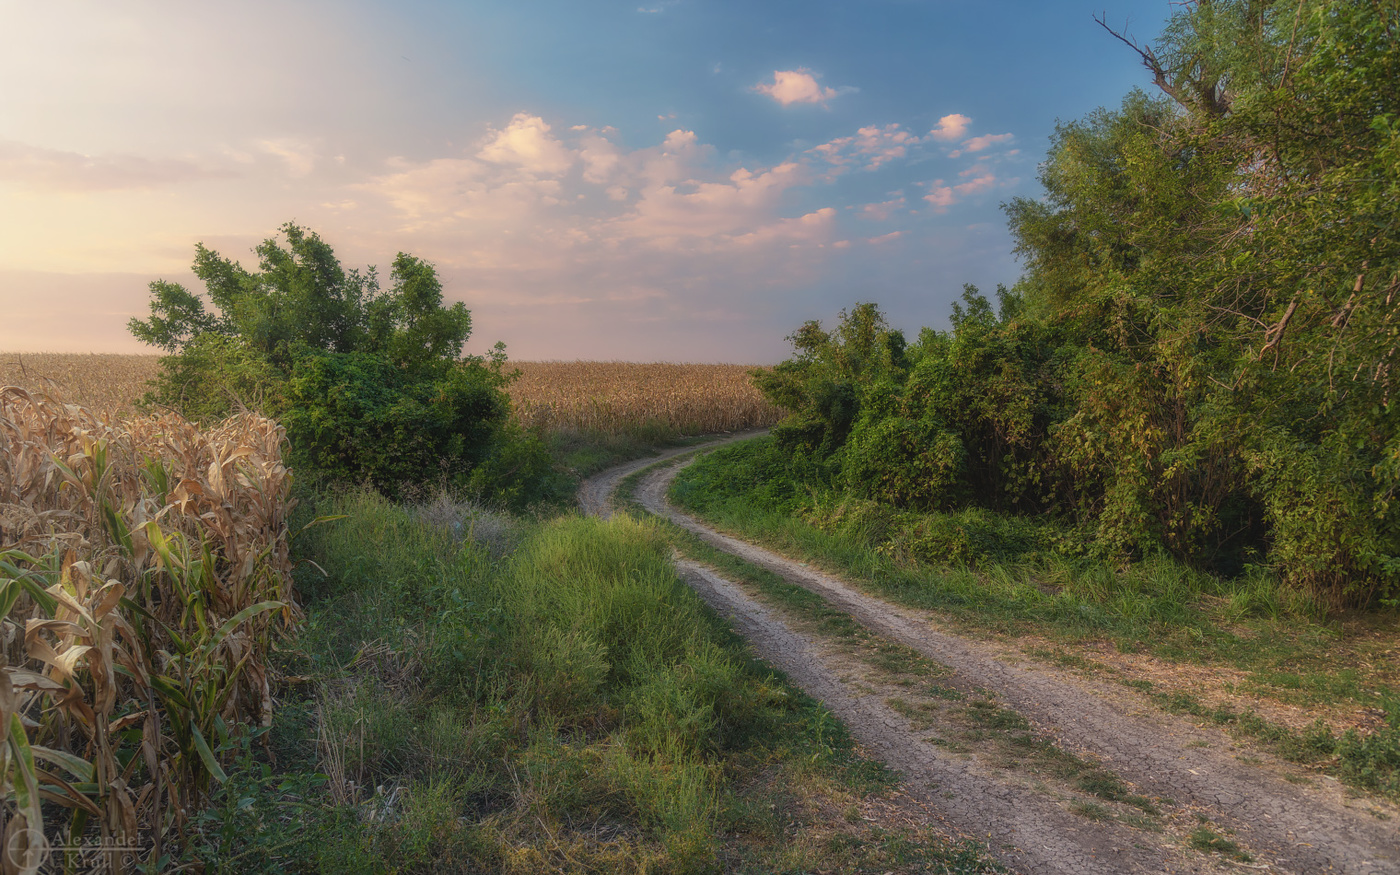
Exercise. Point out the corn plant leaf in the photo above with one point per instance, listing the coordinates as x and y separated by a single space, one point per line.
207 755
238 619
75 765
59 791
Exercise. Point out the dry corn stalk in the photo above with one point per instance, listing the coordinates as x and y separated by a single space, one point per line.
142 566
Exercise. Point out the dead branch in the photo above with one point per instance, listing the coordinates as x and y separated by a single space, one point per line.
1274 336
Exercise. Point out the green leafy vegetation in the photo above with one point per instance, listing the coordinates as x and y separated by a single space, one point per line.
1197 361
372 385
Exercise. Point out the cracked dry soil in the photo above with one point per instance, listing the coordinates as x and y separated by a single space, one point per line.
1032 823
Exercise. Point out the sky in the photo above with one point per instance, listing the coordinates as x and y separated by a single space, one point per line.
681 180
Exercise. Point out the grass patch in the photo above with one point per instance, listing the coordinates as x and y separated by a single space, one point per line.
1203 838
583 452
481 693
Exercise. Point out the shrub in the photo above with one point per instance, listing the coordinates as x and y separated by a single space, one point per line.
372 386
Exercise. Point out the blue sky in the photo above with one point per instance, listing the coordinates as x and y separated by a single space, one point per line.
677 180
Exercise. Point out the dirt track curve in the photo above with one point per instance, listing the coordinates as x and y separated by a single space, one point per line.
1285 827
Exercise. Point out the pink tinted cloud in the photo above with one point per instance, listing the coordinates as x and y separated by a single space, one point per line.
674 211
870 146
797 86
951 127
879 212
527 144
977 144
54 170
942 196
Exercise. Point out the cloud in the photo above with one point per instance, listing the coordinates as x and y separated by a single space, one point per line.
299 155
977 144
600 159
880 212
654 241
942 196
38 168
950 127
526 143
870 146
798 86
671 213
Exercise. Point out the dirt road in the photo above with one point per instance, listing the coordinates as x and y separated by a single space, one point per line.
1069 775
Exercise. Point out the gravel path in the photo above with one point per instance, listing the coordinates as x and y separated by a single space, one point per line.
1286 827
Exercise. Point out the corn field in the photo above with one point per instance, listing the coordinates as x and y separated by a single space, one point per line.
579 396
106 383
622 396
144 570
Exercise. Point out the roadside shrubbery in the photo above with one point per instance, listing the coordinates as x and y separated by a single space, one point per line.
1199 357
372 385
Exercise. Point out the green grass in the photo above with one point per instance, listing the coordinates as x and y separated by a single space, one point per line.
479 693
1203 838
1289 649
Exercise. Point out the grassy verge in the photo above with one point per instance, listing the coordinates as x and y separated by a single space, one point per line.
478 693
1146 620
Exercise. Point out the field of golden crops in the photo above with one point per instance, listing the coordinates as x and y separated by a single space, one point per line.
580 396
624 396
102 382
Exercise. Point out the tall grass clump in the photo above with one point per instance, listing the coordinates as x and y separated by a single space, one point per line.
572 690
144 573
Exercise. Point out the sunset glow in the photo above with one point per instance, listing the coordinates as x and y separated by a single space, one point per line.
681 181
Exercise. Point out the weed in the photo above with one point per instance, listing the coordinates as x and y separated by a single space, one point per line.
1203 838
1090 810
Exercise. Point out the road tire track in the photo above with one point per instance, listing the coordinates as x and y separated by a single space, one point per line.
1288 828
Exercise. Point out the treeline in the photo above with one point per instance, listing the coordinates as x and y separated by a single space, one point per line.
1199 359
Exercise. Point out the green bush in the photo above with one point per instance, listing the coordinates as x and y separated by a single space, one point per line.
371 385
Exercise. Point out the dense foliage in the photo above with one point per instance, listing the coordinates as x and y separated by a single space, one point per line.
1199 357
371 385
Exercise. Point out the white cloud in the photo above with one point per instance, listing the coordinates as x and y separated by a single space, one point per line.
798 86
679 210
526 143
